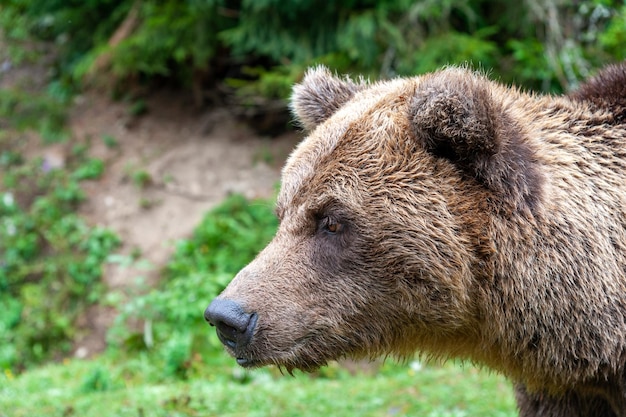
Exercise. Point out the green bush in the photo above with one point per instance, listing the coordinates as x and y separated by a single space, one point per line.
226 240
40 112
542 45
614 38
50 260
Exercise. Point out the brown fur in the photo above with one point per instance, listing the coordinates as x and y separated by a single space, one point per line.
607 91
475 221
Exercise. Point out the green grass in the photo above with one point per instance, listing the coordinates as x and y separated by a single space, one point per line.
102 387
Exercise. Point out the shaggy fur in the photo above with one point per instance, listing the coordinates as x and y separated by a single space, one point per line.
606 91
449 215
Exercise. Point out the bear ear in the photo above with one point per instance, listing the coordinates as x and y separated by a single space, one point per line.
456 115
320 95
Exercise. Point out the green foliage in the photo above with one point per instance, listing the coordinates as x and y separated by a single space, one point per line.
141 178
451 47
226 240
542 45
50 260
110 141
273 84
172 36
41 112
89 170
97 379
614 38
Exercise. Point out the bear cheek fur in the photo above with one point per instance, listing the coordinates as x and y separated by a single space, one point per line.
420 238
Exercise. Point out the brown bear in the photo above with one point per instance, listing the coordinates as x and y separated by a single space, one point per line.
450 215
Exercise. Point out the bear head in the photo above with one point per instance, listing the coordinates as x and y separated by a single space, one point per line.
385 237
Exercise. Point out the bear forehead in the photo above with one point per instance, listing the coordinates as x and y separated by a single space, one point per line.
372 112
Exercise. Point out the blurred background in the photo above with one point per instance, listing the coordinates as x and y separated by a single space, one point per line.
140 150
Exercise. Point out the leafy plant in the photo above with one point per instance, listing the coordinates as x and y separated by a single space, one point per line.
141 178
21 110
614 38
50 260
89 170
226 240
98 379
543 45
110 141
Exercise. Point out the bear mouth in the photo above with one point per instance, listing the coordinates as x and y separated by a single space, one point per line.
248 363
285 363
302 356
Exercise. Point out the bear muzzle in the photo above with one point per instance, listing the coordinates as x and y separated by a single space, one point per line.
234 326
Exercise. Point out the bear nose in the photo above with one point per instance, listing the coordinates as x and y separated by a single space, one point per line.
234 326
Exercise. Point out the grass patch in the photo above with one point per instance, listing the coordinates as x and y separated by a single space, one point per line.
68 389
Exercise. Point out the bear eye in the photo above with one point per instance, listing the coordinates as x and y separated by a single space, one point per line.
331 226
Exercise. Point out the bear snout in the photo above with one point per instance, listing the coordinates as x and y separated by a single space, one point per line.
234 326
